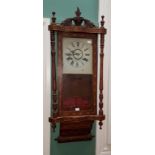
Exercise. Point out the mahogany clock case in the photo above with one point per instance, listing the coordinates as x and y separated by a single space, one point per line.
77 91
80 90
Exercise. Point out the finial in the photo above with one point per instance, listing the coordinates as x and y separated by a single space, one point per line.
53 17
100 124
78 13
102 21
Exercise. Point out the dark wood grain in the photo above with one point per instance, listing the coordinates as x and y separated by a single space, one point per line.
75 131
76 125
76 118
84 30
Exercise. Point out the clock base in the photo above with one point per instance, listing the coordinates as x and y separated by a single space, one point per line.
75 131
61 139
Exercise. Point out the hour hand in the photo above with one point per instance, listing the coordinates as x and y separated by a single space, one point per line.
77 54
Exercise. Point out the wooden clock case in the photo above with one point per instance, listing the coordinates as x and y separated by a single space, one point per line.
76 91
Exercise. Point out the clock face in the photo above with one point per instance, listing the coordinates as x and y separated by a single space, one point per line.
77 56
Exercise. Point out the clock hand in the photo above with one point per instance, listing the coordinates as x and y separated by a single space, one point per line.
77 54
73 51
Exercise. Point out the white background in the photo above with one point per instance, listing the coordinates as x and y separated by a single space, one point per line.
132 86
103 137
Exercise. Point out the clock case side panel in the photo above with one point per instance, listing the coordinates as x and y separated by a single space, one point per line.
59 41
93 109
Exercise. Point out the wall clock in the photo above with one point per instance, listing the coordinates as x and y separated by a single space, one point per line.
74 81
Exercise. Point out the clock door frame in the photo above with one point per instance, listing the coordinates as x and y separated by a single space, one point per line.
93 37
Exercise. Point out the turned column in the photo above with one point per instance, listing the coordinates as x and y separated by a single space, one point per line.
53 73
101 75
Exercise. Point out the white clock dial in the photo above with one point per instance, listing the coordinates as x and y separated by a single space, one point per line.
77 56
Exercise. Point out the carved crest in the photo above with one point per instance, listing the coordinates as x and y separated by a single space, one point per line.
78 21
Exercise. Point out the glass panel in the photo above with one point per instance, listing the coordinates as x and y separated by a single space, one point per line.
77 92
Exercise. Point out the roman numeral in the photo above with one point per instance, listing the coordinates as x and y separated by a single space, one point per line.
78 43
72 62
77 64
73 44
85 59
87 54
85 49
